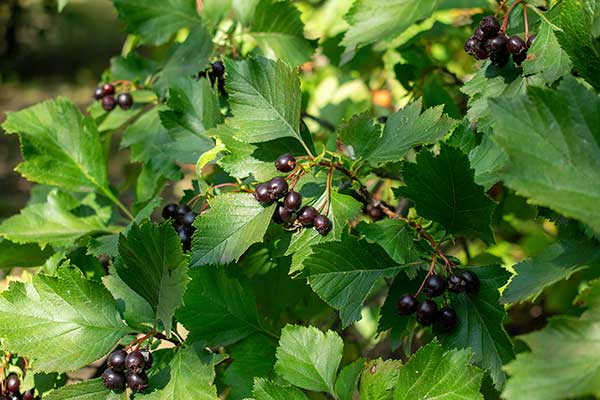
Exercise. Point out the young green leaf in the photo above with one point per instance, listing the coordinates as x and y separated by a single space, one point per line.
394 235
92 389
266 390
379 378
21 255
347 380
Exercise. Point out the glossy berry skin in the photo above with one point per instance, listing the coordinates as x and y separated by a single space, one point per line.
426 312
498 43
108 89
113 380
447 318
479 34
499 59
456 284
480 51
108 103
218 68
489 25
470 44
148 358
285 163
125 101
116 360
306 215
407 304
98 93
515 45
519 58
185 237
137 381
135 361
188 218
170 211
282 214
13 384
261 194
374 212
293 201
278 187
434 286
322 224
471 281
531 40
28 395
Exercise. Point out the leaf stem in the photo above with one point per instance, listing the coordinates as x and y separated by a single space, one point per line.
323 122
507 15
501 7
526 22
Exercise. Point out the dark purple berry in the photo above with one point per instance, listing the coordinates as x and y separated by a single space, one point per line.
489 25
531 40
28 395
447 318
426 312
515 45
137 381
98 93
480 51
498 43
113 380
470 45
185 237
116 360
125 101
471 281
382 120
434 286
261 193
13 384
188 218
499 59
218 68
285 163
170 211
182 210
374 212
456 283
135 361
108 89
306 215
407 304
278 187
108 103
519 58
148 359
293 201
322 224
282 214
479 34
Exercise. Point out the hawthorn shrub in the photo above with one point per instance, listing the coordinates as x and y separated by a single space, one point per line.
364 212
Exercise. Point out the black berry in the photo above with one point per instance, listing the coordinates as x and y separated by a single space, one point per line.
282 214
98 93
182 210
531 40
137 381
471 281
108 103
456 283
135 361
188 218
479 34
407 304
285 163
519 58
489 25
262 193
515 45
306 215
499 59
125 101
148 359
470 45
426 312
113 380
374 212
382 120
28 395
498 43
293 201
116 360
108 89
447 318
170 211
278 187
13 383
480 51
322 224
434 286
184 237
218 68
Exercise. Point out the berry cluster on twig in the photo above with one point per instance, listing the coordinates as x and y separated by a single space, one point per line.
106 95
127 370
182 217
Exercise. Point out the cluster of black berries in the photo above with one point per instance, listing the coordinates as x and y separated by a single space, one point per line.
127 370
427 310
216 73
13 390
182 218
106 95
376 213
489 40
290 211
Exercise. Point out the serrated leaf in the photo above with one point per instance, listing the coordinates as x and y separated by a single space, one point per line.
432 374
21 255
279 32
344 273
53 222
394 236
373 20
347 380
479 325
487 160
444 191
552 139
266 390
74 321
302 366
379 378
92 389
156 21
132 67
151 262
233 223
556 262
190 375
218 309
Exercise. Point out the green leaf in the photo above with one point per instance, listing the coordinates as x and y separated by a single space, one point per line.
253 357
190 375
132 67
156 21
432 374
556 262
92 389
564 361
151 262
21 255
394 235
444 191
233 223
74 321
265 98
266 390
479 326
373 20
344 273
279 32
347 380
309 358
487 160
552 139
53 222
218 309
379 378
60 146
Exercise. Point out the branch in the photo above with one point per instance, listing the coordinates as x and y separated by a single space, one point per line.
324 123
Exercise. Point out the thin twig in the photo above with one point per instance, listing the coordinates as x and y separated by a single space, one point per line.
324 123
507 15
